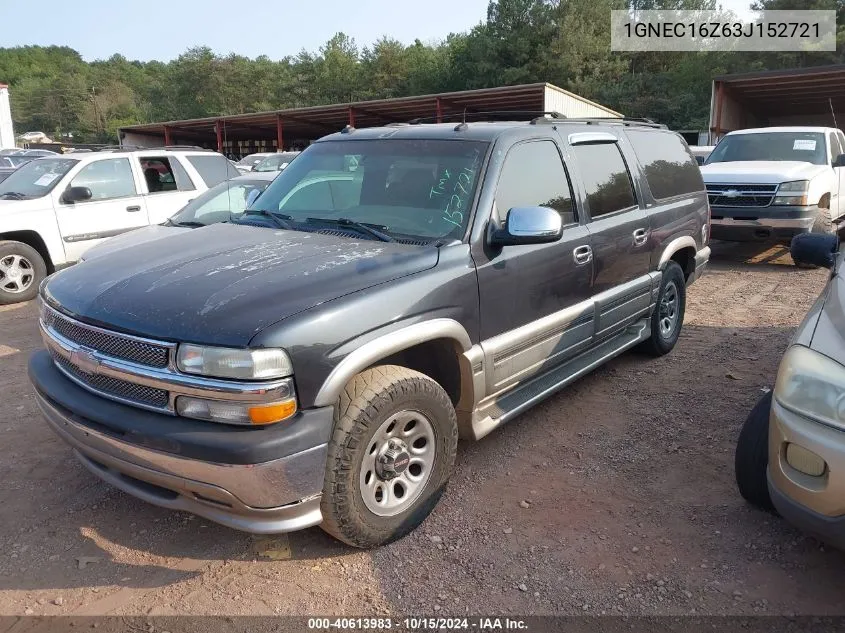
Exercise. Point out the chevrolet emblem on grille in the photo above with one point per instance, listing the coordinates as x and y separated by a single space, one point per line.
85 361
731 193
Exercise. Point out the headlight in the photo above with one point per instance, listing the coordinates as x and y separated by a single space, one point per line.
241 364
792 193
812 385
236 412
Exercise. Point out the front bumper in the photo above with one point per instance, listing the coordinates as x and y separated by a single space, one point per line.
751 224
813 504
246 479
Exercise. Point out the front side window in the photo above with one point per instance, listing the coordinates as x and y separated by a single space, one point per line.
533 176
606 179
808 147
107 179
36 178
405 188
220 203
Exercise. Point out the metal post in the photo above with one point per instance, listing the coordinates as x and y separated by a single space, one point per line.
168 139
280 138
439 111
718 122
219 129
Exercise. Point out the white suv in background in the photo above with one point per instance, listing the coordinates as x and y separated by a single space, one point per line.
53 209
776 182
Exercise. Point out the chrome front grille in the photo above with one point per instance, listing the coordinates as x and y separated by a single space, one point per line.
750 195
131 392
116 345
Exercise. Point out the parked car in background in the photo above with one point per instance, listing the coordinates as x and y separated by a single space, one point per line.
221 203
35 153
791 452
9 150
770 184
276 162
6 167
364 314
54 209
247 163
701 152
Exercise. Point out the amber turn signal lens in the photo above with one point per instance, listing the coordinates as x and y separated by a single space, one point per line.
271 413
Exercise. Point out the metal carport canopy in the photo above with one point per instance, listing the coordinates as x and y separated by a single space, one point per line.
316 121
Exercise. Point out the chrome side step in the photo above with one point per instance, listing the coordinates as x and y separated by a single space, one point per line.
507 406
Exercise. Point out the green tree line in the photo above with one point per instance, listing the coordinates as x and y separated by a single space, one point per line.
564 42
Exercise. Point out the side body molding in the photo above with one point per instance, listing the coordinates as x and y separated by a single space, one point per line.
383 346
673 247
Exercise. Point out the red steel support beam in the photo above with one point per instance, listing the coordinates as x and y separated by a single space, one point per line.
439 111
168 139
351 117
280 134
718 121
218 127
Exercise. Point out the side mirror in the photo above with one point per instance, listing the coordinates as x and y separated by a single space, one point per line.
529 225
76 194
815 249
839 161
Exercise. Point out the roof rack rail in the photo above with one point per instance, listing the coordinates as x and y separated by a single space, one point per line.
625 121
471 117
136 148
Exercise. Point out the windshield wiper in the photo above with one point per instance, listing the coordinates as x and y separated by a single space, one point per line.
15 195
280 220
192 224
360 226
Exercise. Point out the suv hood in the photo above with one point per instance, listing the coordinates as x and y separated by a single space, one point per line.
827 331
224 283
132 238
764 172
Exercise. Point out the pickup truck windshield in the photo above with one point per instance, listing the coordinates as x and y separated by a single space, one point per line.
402 188
807 147
36 178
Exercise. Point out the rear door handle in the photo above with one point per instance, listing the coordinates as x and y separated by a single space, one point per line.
640 237
582 255
133 208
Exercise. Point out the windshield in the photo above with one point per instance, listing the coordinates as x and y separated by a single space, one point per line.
807 147
275 163
404 188
251 160
220 203
36 178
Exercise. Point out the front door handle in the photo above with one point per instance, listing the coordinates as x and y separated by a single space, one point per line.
133 208
640 237
582 255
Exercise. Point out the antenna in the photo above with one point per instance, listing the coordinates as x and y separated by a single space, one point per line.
832 113
464 121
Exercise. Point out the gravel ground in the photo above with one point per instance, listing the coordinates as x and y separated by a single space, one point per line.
614 497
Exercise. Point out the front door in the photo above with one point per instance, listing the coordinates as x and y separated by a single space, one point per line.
115 206
535 310
619 232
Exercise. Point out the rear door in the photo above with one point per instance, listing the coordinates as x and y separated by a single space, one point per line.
116 205
168 187
619 231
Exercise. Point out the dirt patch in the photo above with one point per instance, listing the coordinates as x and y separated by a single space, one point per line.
615 496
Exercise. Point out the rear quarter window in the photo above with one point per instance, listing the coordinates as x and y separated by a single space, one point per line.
213 168
669 166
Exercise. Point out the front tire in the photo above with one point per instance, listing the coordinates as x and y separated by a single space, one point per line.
390 456
668 316
752 456
22 269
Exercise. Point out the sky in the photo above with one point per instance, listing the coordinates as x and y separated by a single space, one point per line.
163 29
146 29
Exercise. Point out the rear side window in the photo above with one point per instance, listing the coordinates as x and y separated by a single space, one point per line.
533 176
165 174
669 167
213 168
606 179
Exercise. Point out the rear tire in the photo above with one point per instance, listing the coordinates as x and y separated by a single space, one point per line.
751 461
22 269
390 456
668 316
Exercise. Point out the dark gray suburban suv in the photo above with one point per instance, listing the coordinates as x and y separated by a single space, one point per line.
315 361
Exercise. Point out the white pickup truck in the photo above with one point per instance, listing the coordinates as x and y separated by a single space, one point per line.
53 209
774 183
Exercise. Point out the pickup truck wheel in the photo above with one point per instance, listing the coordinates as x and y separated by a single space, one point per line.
752 456
21 271
390 456
668 316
